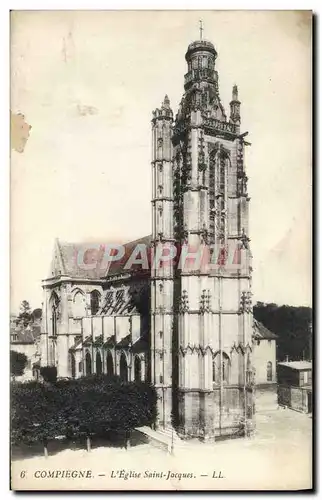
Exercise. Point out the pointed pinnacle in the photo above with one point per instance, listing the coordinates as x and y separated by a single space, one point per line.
166 102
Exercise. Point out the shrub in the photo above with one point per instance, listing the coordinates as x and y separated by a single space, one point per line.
18 361
81 407
49 373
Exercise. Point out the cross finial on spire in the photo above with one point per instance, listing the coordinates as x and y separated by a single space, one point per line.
200 28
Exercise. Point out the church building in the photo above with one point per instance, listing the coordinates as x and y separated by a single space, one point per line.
188 329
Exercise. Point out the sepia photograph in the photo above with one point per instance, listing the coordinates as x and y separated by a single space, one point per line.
161 324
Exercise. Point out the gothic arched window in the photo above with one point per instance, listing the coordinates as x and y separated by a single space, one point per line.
72 365
79 305
222 174
123 368
88 364
269 371
221 190
137 369
95 302
109 364
98 364
54 319
54 313
221 368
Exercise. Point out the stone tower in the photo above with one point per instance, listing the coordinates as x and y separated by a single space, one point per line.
202 314
162 278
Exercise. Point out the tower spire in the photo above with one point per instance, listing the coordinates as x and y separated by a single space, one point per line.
166 102
235 108
235 93
200 28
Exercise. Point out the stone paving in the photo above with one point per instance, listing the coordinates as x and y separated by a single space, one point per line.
278 457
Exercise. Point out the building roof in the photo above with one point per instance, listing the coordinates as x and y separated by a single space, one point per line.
78 343
125 341
140 345
109 342
261 332
87 341
24 335
86 260
200 45
98 341
297 365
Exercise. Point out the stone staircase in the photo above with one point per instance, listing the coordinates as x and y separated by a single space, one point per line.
170 434
167 437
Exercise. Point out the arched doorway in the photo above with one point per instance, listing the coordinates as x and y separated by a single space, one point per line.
109 364
137 369
88 364
98 364
73 365
123 368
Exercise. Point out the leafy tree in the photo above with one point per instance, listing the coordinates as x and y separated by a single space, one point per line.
80 408
18 362
36 314
293 325
25 316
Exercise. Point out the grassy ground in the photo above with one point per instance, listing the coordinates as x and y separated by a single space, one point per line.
277 457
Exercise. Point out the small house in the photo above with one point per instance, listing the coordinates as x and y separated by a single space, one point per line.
295 385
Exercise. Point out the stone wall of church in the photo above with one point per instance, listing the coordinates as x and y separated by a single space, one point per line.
64 305
211 415
102 360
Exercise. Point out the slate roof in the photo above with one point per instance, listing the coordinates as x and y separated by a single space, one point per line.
261 332
120 307
297 365
109 342
24 335
118 266
124 342
98 342
78 343
141 345
87 341
78 259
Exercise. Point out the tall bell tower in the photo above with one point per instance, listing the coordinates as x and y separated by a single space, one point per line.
162 276
201 315
214 308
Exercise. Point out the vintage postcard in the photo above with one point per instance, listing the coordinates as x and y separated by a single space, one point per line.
161 310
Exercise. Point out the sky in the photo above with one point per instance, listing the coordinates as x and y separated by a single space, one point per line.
87 82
